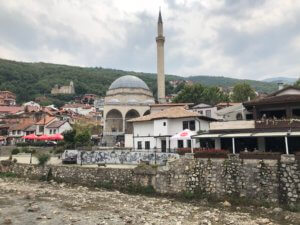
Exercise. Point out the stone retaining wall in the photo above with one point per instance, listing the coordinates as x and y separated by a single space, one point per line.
269 181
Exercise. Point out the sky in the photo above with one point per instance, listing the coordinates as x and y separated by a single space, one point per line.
247 39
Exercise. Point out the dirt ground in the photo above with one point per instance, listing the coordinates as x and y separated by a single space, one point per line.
29 202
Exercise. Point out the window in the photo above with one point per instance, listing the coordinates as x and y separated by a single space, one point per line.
239 116
201 112
180 143
208 113
19 132
54 131
139 143
189 125
164 124
14 132
41 129
147 144
192 125
50 131
185 125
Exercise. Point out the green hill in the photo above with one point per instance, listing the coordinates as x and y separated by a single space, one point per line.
31 80
230 82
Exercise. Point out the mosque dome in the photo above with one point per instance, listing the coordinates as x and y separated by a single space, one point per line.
128 81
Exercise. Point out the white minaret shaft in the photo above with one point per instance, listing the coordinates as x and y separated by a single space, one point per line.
160 40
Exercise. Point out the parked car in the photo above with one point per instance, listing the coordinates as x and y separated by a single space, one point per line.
69 157
51 143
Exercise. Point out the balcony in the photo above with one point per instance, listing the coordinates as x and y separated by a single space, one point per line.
280 123
232 125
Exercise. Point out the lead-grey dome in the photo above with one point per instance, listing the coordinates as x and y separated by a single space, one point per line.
128 81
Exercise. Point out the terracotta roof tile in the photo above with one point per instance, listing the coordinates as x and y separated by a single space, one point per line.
170 113
45 120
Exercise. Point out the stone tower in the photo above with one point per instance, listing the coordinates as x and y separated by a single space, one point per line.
160 40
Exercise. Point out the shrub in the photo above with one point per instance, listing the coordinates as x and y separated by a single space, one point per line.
182 151
22 144
260 155
43 159
211 153
15 151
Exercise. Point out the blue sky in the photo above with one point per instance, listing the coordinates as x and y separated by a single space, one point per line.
251 39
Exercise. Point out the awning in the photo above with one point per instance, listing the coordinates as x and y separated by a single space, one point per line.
270 134
207 136
296 133
236 135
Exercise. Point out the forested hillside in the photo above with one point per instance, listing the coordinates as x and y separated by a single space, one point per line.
31 80
230 82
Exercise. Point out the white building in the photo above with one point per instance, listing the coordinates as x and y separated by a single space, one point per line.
80 109
155 130
207 110
235 112
57 127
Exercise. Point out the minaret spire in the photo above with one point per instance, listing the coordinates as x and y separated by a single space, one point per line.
160 40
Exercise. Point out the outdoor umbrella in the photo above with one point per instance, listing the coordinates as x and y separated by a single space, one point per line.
184 135
57 137
30 137
44 137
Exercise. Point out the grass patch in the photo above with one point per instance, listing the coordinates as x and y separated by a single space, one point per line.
7 174
139 189
105 184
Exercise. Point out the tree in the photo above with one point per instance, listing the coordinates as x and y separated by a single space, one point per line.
297 83
69 137
241 92
197 93
191 94
83 138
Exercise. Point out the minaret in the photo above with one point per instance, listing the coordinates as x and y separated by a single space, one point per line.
160 40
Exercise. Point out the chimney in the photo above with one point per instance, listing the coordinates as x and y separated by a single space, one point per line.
280 86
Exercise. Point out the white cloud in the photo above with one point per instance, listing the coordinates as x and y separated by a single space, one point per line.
245 39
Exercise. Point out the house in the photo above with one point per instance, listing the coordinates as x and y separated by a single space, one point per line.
10 110
7 98
154 131
57 127
235 112
82 109
18 130
275 126
44 122
206 110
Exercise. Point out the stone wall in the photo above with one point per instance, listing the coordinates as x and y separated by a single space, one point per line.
267 181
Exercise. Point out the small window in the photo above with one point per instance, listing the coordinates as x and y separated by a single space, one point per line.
50 131
239 116
180 143
54 131
192 125
208 113
139 143
164 124
185 125
41 128
19 132
14 132
147 144
201 112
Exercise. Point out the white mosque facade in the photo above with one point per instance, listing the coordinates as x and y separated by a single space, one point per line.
127 97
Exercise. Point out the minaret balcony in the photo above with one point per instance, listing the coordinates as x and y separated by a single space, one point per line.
160 39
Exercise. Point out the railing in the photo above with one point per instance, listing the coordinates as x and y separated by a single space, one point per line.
273 123
112 133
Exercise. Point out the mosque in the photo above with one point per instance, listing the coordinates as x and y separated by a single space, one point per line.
129 97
